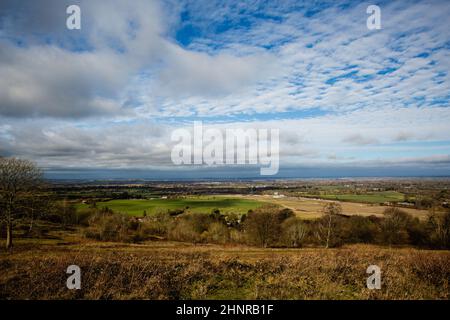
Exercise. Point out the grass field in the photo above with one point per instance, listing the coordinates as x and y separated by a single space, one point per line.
194 204
305 208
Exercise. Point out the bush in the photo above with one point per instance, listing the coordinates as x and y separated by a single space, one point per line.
106 225
83 217
66 214
184 230
422 202
263 225
236 236
233 220
438 227
294 232
269 226
394 227
218 233
360 229
175 212
156 226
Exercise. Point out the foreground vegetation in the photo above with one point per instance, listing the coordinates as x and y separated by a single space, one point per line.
166 270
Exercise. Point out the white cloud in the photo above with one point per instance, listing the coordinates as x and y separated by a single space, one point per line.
370 93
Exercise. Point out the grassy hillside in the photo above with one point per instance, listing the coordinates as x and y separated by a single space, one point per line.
167 270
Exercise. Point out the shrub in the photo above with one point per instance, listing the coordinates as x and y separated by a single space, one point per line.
106 225
263 225
394 227
175 212
422 202
83 217
233 220
184 230
200 222
360 229
438 227
218 233
236 236
157 225
294 232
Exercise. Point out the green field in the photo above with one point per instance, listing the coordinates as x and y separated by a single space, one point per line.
374 197
194 204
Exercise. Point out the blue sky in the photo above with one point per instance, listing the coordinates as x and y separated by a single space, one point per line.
108 96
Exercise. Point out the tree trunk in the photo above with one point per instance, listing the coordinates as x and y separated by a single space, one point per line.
328 233
31 223
9 236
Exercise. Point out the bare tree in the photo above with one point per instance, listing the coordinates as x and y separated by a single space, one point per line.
35 205
263 225
325 229
439 226
294 232
395 225
19 180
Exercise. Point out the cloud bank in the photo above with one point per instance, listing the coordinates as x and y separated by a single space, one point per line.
109 95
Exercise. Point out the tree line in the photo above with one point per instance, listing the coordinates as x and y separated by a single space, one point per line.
272 226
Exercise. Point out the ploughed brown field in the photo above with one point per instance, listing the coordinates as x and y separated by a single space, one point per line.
174 270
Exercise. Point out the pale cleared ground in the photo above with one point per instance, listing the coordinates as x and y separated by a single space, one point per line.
307 208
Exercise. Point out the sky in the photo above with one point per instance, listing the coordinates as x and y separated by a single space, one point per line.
104 100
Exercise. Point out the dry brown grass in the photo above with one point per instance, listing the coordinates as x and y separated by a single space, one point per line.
168 270
306 208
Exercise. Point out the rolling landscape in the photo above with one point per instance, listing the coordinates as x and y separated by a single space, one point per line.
238 153
237 240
